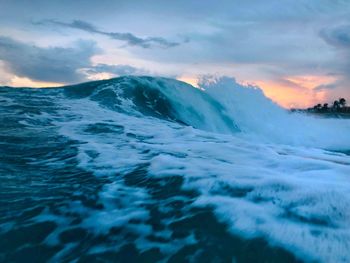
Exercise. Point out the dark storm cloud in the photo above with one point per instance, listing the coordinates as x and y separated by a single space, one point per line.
119 70
52 64
129 38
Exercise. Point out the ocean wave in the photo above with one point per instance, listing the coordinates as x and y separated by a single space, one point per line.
153 169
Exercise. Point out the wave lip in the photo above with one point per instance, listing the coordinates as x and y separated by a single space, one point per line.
218 105
164 98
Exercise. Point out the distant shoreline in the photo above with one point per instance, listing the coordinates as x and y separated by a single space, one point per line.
339 115
338 109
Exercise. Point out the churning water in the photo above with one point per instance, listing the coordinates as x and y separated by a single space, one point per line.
142 169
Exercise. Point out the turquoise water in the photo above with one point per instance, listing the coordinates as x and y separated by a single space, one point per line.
153 170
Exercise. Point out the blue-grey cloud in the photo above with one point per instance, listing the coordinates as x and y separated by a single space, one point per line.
129 38
325 87
118 70
261 40
53 64
338 36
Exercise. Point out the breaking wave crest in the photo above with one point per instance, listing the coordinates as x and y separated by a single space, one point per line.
143 169
218 105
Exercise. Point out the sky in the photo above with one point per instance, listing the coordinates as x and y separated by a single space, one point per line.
297 51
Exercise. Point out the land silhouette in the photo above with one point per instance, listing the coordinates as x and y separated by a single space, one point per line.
337 108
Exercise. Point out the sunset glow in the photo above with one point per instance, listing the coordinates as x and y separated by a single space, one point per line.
300 92
26 82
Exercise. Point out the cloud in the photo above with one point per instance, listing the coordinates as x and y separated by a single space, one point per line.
271 41
5 77
338 37
325 87
118 70
51 64
129 38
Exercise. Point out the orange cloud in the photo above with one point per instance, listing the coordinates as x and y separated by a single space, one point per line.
296 91
289 92
310 82
26 82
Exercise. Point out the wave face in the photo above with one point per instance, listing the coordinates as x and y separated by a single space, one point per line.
143 169
167 99
221 106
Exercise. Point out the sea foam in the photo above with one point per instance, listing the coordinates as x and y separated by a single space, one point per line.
281 184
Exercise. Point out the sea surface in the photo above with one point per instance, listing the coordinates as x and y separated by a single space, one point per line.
145 169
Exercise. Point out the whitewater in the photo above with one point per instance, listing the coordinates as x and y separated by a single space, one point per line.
146 169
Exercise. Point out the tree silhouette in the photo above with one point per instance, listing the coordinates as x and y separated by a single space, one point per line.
336 105
318 106
325 107
342 102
